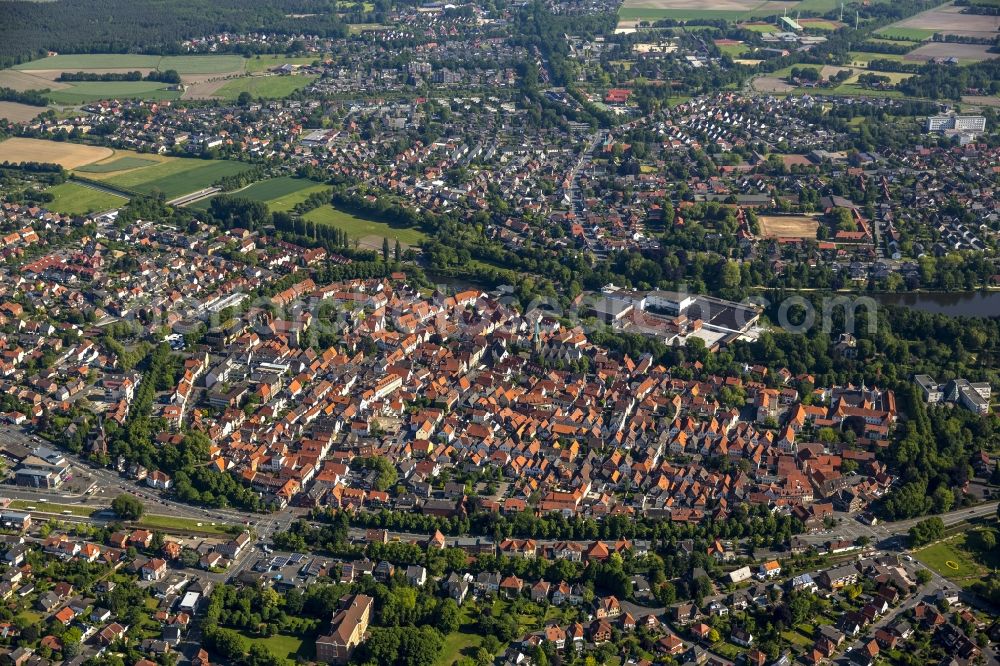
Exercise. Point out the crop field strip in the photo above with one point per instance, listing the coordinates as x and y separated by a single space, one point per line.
174 178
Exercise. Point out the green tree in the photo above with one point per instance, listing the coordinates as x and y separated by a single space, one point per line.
926 531
127 507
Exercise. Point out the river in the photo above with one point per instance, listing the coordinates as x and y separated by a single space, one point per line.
964 303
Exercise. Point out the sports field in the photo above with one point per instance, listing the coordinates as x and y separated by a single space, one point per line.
76 199
732 50
279 194
369 233
267 87
173 177
69 155
820 24
787 226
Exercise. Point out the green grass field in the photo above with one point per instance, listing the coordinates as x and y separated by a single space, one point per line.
820 25
287 202
264 62
457 645
202 64
278 193
896 42
760 27
848 90
756 10
120 164
90 91
369 232
733 50
656 14
267 87
176 177
285 647
49 507
167 523
276 188
864 57
75 199
961 559
906 34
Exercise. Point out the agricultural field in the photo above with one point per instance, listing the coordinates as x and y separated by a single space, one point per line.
267 87
82 62
787 226
203 64
194 70
962 559
729 10
946 19
11 78
174 177
852 90
279 194
862 58
906 34
76 199
118 164
19 113
368 233
633 11
75 62
90 91
68 155
966 53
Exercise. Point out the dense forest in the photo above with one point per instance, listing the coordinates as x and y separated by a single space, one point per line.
29 29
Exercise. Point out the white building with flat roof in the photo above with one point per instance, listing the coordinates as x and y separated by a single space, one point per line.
951 121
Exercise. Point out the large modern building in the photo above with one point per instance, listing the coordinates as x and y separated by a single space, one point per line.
974 396
952 121
347 630
17 520
45 468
